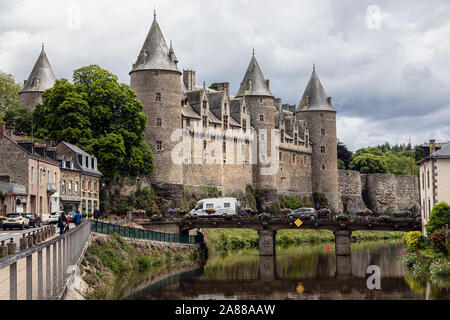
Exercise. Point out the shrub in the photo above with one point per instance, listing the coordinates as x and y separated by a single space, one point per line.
439 240
440 216
440 273
413 239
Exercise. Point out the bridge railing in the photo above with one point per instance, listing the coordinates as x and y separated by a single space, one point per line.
128 232
32 276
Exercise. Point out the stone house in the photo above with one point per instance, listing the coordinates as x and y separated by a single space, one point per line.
434 178
80 179
30 174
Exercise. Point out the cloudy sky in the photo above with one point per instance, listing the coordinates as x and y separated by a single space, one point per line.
385 63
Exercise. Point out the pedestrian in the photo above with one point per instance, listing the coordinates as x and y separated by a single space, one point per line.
67 224
62 220
96 214
78 218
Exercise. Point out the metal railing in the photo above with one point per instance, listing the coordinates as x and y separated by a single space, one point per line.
127 232
60 253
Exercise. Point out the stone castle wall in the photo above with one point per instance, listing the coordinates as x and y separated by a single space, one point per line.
30 99
380 192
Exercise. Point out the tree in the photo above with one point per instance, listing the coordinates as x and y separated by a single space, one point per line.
23 119
369 163
344 154
341 165
214 86
439 218
100 115
9 92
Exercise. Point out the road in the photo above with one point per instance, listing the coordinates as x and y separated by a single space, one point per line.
17 234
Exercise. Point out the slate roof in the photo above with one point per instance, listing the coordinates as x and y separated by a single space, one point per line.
315 97
444 152
259 85
42 77
155 55
78 150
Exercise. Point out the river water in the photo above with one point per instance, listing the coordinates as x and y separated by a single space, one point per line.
306 272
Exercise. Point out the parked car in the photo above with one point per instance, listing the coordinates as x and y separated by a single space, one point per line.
54 216
217 207
35 220
16 220
2 218
304 213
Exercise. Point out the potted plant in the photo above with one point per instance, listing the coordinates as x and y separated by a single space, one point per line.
264 216
342 217
324 213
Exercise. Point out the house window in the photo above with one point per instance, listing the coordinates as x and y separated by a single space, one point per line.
158 122
87 162
322 149
63 186
158 97
159 145
296 139
205 121
41 175
261 137
92 163
188 122
75 188
54 178
69 189
428 179
423 181
95 186
225 107
32 175
244 125
307 140
261 117
322 132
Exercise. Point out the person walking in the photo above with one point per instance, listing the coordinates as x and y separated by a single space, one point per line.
96 214
62 220
78 218
67 224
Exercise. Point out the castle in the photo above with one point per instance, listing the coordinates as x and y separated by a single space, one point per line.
208 137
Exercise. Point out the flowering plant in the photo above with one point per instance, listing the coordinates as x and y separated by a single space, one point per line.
439 240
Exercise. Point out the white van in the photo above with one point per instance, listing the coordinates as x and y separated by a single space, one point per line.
217 207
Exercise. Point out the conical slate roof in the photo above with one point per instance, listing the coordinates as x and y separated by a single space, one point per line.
254 83
315 97
155 55
42 77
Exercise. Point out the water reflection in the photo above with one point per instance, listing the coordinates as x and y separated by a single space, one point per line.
305 272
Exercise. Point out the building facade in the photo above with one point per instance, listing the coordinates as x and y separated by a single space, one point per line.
208 137
30 174
434 178
80 179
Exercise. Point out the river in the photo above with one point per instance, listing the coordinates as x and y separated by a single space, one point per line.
306 272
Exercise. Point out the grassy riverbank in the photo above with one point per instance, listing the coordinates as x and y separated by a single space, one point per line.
234 239
112 265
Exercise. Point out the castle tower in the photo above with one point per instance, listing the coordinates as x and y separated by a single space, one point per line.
41 78
316 107
156 80
261 105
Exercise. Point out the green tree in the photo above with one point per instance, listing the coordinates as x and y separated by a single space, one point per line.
9 92
341 165
102 116
371 150
369 163
23 119
344 154
214 86
439 218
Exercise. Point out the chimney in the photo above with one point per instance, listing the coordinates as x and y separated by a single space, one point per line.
51 153
224 86
2 129
9 131
432 146
189 79
40 149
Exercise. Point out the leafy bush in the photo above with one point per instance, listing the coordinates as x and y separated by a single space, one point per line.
440 216
439 240
413 239
440 273
210 192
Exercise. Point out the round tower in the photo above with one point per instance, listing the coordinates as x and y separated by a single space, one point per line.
156 80
41 78
316 108
261 105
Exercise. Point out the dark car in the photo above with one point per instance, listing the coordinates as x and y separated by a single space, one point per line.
304 213
35 220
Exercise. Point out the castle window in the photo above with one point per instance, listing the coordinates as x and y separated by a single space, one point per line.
323 167
307 140
304 160
159 145
282 136
159 122
322 132
225 107
281 156
205 121
205 144
293 158
322 149
225 122
156 73
261 117
244 125
158 97
261 100
321 115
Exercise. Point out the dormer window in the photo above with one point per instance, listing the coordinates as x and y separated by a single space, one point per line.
87 162
92 163
205 105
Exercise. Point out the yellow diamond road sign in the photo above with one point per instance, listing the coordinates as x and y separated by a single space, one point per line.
298 223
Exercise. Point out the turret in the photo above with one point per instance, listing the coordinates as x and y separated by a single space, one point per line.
316 107
261 105
41 78
156 80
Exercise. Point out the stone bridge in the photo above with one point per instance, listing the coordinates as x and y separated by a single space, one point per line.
267 228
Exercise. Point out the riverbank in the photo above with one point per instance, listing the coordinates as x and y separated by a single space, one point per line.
113 265
235 239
